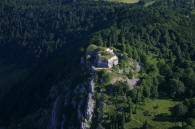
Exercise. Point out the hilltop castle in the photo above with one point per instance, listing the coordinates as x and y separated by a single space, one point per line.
101 57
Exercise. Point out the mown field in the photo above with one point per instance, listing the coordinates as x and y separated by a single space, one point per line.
156 112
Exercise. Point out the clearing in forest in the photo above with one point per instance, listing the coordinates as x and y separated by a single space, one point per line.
156 111
124 1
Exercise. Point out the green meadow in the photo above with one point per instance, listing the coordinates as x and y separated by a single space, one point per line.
156 112
125 1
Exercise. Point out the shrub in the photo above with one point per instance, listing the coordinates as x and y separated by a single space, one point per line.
104 76
147 113
130 74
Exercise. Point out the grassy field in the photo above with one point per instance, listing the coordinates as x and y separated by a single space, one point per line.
149 3
10 74
124 1
159 117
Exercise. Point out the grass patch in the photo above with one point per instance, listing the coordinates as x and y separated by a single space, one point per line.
149 3
92 47
159 117
101 51
124 1
105 55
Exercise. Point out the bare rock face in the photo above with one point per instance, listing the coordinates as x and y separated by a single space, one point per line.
91 85
113 61
89 107
54 121
79 109
84 125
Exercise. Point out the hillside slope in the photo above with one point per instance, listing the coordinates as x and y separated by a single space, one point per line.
43 84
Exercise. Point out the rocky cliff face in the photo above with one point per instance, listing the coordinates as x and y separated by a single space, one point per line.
57 118
72 105
54 114
89 106
63 102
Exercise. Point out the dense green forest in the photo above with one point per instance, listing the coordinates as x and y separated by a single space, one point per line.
47 38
